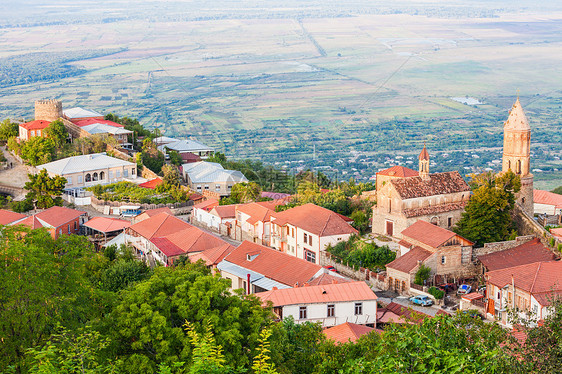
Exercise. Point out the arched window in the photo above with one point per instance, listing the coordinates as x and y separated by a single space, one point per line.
88 177
435 221
95 176
102 175
508 164
518 167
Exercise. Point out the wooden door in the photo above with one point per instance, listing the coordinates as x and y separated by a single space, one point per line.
389 228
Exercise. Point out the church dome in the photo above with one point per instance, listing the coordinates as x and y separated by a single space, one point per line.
517 119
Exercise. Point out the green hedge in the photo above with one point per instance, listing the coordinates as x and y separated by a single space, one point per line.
436 292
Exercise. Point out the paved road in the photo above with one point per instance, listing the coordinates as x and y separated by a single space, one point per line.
389 297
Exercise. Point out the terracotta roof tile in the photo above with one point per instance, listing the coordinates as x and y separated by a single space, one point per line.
36 125
557 232
526 253
434 209
399 171
472 296
193 239
256 211
409 261
547 198
273 264
424 154
207 205
152 184
93 121
153 212
225 211
159 225
104 224
7 216
31 222
327 278
212 256
58 215
430 234
346 332
341 292
407 314
314 219
436 184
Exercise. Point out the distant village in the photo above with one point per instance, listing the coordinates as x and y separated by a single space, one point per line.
171 200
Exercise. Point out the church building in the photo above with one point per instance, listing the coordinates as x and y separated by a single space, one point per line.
405 196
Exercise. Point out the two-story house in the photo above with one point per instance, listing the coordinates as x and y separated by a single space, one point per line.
305 231
330 304
210 176
57 219
253 222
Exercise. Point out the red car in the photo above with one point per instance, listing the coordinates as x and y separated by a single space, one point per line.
330 267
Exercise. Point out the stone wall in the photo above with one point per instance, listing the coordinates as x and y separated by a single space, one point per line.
528 226
48 110
376 280
501 246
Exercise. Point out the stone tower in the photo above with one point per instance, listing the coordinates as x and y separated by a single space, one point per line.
424 163
517 154
48 110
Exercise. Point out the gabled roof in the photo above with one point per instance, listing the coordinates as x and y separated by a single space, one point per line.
153 212
104 224
211 172
212 256
181 146
279 266
399 172
152 184
96 121
225 211
192 239
31 222
409 261
556 232
78 112
341 292
327 278
256 211
159 225
424 154
435 184
517 119
346 332
102 128
430 234
406 313
7 216
82 163
526 253
314 219
58 215
36 125
207 205
547 198
536 278
433 209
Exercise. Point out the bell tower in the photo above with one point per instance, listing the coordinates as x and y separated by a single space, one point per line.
424 163
517 154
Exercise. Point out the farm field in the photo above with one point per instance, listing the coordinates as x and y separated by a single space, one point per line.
349 95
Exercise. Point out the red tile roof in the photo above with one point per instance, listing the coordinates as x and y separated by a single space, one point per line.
104 224
159 225
273 264
327 278
7 216
540 279
430 234
91 121
556 232
225 211
152 184
314 219
409 261
152 212
31 222
399 171
526 253
207 205
167 247
407 314
472 296
58 215
212 256
436 184
424 155
340 292
189 157
434 209
192 239
547 198
385 315
346 332
195 196
256 211
36 125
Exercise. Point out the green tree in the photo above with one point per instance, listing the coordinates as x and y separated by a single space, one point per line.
8 129
245 192
175 158
558 190
171 176
38 150
207 356
261 363
57 132
45 191
123 273
487 216
423 274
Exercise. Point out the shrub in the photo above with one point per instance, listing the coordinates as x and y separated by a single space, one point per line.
552 242
422 275
436 292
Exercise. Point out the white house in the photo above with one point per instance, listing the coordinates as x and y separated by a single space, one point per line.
545 202
330 304
211 176
183 146
253 222
89 170
201 216
304 231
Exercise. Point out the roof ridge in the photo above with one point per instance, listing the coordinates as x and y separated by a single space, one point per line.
535 279
160 225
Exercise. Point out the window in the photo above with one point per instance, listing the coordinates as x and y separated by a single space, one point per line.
310 256
69 180
38 132
198 188
88 177
442 260
293 232
229 186
450 221
60 231
217 187
118 174
358 309
102 175
305 238
110 175
302 312
68 228
133 171
125 173
32 132
206 186
244 287
75 225
95 177
309 239
331 310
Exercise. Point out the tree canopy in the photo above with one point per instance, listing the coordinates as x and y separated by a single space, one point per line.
45 191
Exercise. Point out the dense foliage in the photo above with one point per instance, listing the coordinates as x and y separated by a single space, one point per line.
487 216
130 192
558 190
358 253
44 191
422 274
8 129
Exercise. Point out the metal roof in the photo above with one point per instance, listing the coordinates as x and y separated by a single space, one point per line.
256 279
183 145
80 113
83 163
102 128
210 172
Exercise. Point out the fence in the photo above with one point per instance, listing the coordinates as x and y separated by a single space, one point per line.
100 205
377 280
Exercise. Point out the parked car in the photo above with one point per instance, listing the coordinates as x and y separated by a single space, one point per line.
330 267
464 289
421 300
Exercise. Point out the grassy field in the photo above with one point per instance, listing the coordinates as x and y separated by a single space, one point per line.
361 90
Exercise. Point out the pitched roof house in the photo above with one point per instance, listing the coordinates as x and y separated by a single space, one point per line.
265 268
7 216
330 304
526 253
347 332
211 176
32 129
546 202
57 219
305 231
